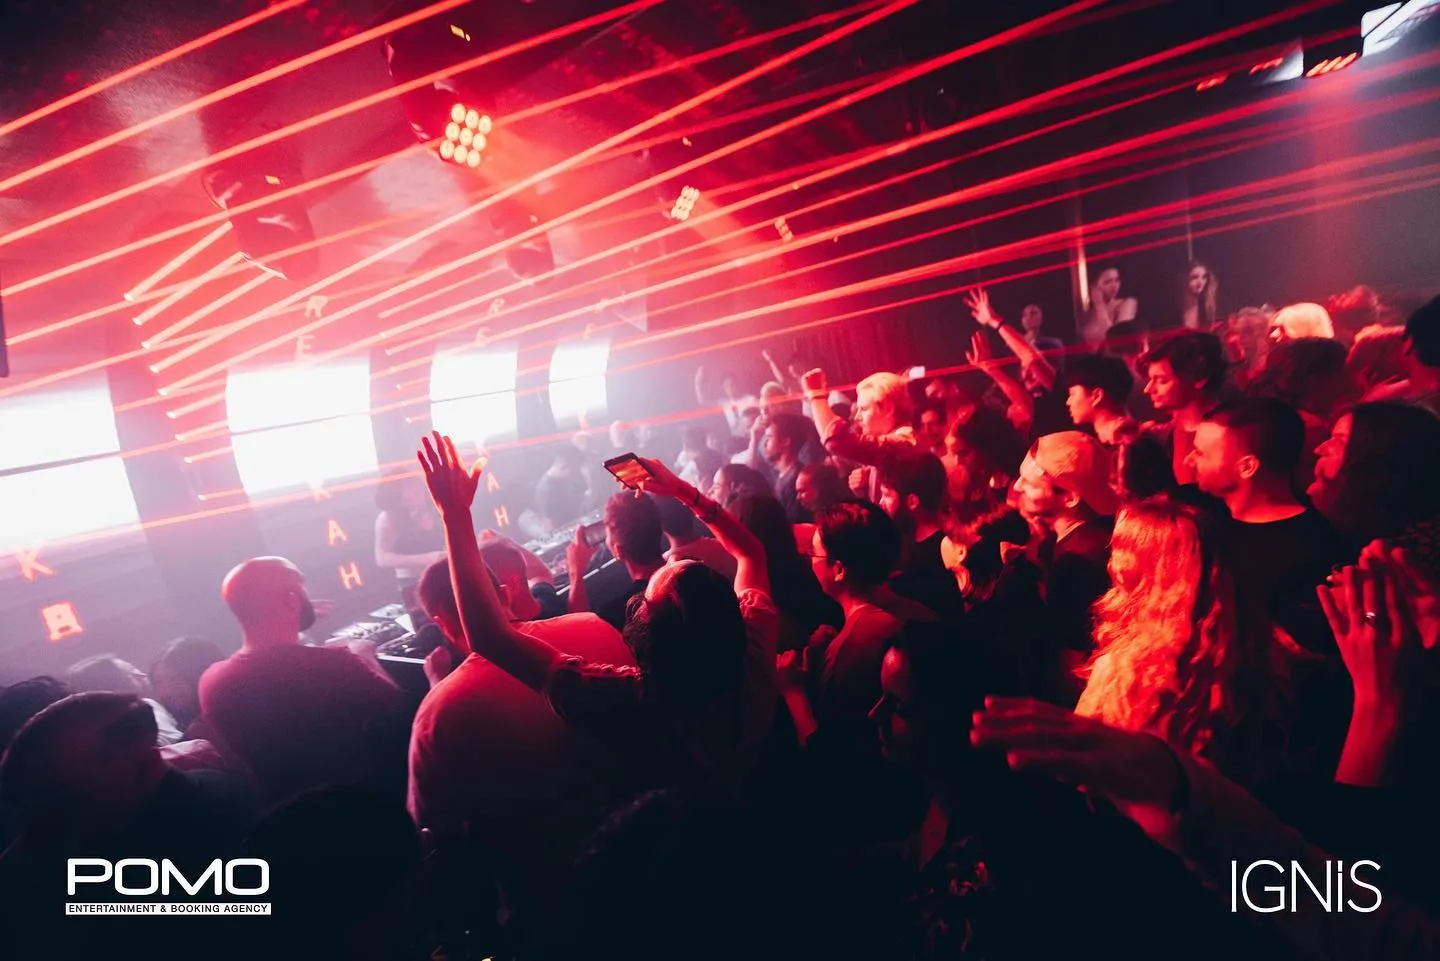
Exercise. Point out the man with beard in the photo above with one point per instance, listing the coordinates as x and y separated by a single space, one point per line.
300 717
912 491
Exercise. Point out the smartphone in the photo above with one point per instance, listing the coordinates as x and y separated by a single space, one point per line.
594 535
628 470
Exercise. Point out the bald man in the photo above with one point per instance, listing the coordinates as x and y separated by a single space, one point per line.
300 717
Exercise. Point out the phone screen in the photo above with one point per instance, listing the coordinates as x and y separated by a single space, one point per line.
628 470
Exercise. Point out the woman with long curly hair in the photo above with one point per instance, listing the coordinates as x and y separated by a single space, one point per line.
1180 652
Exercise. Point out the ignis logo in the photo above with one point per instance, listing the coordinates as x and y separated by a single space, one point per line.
141 877
1289 892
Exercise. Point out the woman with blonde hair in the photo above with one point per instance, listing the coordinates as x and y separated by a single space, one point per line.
1180 652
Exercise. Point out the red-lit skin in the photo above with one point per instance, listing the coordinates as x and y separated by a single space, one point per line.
1330 455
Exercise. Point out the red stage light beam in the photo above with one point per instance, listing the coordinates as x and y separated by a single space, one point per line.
155 340
889 150
829 169
704 56
222 215
899 77
185 290
180 260
571 162
1155 58
190 46
320 118
224 93
1406 182
90 315
356 169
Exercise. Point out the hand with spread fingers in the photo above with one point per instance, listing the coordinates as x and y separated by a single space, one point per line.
979 303
452 485
979 355
1133 770
1375 628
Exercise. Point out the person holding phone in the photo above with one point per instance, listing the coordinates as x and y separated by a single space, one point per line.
699 707
635 536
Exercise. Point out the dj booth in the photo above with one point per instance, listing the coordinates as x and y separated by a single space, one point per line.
404 638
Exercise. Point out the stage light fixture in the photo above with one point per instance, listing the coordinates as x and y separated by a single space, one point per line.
465 136
1332 65
685 203
263 231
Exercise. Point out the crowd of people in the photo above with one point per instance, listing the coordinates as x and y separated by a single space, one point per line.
871 646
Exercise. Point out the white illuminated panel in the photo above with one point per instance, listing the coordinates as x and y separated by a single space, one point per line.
292 394
43 506
305 455
577 381
472 394
50 426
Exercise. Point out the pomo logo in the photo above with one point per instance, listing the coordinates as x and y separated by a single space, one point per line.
143 877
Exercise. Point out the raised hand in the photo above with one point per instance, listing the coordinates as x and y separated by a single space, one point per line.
578 553
1376 631
1416 585
662 481
979 303
979 354
815 383
452 486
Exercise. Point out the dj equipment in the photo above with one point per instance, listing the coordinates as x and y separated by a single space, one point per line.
551 549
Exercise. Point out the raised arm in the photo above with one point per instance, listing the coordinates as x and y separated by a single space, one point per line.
1014 391
979 303
817 390
751 570
700 387
577 561
487 626
781 377
1212 823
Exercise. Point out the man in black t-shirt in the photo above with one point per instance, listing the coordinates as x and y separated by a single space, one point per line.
1246 454
912 491
1064 492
